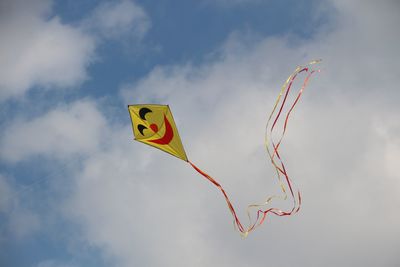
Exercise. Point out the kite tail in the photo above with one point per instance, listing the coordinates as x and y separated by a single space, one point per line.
277 164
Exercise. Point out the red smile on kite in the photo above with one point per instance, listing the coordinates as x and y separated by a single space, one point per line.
168 135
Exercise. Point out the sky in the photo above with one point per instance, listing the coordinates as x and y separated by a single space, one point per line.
77 191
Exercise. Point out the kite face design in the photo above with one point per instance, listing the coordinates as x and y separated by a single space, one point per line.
155 126
169 132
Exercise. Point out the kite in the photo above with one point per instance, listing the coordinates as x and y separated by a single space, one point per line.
154 125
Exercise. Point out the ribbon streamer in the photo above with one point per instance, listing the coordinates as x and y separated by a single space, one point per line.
274 157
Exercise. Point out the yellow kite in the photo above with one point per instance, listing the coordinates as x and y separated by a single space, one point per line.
155 126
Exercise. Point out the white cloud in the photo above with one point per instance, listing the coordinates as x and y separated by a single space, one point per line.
118 19
65 131
387 128
38 50
135 202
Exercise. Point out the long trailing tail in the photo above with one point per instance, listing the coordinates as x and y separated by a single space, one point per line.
274 156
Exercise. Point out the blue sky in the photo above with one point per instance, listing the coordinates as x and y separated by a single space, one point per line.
185 31
76 190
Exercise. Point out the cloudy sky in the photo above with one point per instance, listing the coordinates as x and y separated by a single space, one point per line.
77 191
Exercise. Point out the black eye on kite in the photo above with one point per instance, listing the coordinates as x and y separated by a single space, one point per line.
141 127
143 112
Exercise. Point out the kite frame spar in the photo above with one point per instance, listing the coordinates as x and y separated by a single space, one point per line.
274 156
